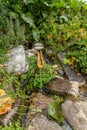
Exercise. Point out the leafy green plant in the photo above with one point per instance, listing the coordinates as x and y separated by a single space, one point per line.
10 83
11 33
79 52
13 126
4 12
34 73
41 79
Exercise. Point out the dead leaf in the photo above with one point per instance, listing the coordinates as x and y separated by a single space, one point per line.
5 102
49 37
2 66
72 60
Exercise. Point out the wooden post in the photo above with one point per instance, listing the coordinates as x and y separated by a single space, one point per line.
40 61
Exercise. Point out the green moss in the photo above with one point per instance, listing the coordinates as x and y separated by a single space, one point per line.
54 110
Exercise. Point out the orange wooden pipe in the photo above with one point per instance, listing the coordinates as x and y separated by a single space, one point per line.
40 61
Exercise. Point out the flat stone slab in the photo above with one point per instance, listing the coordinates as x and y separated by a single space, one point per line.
76 114
40 122
62 86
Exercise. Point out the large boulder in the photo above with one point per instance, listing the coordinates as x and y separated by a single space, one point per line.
63 87
76 114
17 60
40 122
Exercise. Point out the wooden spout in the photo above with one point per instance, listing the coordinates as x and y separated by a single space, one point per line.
40 61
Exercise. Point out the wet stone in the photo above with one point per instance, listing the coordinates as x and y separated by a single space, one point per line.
40 122
66 126
83 96
75 113
63 87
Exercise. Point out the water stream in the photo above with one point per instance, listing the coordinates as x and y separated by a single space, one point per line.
66 126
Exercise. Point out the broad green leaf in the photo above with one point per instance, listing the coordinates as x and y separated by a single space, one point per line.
58 5
17 9
28 19
36 34
29 1
13 15
44 15
64 18
85 7
66 60
46 4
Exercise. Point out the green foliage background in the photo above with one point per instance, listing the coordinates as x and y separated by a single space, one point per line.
60 24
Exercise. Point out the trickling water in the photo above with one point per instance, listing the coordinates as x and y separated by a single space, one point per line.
66 126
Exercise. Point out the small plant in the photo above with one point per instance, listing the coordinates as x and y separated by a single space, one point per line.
54 110
14 126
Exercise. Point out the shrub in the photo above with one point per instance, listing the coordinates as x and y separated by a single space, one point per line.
38 77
